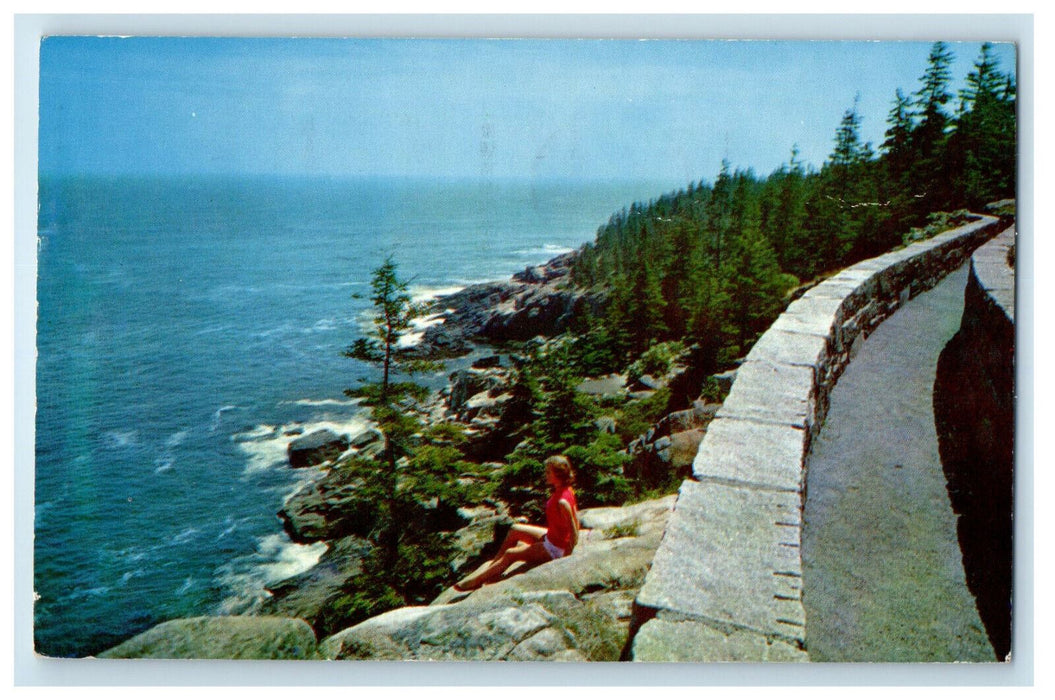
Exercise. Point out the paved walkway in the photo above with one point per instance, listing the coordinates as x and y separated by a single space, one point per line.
882 571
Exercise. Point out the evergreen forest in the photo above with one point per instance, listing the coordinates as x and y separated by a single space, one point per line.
712 263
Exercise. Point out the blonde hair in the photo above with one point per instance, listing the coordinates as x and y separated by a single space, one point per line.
561 466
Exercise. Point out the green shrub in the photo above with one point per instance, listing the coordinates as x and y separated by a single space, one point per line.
599 479
936 223
711 391
637 416
655 361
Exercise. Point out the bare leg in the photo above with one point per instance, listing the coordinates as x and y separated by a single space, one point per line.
519 536
531 553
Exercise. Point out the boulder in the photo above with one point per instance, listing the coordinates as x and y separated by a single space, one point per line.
316 448
366 438
327 509
236 637
699 416
489 362
484 405
646 382
527 627
609 385
442 341
534 274
683 448
467 383
555 269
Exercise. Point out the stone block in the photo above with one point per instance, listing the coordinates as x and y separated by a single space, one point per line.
789 348
815 314
762 454
772 393
852 293
860 275
990 266
663 640
731 556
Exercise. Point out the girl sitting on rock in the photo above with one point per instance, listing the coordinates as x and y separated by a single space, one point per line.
533 544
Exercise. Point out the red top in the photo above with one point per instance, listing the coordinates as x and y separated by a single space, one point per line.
558 529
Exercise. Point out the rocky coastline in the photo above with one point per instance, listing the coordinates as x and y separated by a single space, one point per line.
595 588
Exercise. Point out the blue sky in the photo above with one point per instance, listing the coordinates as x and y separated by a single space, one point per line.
645 110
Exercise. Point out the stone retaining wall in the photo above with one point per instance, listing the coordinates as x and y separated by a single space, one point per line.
974 414
726 582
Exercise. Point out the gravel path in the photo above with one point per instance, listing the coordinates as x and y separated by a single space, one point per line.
882 570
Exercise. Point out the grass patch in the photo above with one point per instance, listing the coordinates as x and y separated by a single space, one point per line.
629 528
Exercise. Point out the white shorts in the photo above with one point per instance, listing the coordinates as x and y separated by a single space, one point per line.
553 550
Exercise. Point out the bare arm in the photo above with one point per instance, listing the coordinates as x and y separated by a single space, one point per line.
570 514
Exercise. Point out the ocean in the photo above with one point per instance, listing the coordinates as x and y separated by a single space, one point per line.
186 325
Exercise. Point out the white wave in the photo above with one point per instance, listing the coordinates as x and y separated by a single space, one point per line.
176 439
409 340
323 325
420 294
260 431
550 249
424 322
218 416
133 554
129 575
321 402
187 585
186 536
264 454
117 439
276 559
286 558
283 330
420 325
267 447
231 527
163 464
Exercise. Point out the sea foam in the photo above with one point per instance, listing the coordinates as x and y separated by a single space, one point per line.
276 559
266 446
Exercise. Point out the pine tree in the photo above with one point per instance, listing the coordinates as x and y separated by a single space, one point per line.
718 212
645 322
415 464
848 147
897 146
983 143
931 182
752 281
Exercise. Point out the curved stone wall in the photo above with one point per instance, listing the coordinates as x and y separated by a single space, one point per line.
726 582
974 412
